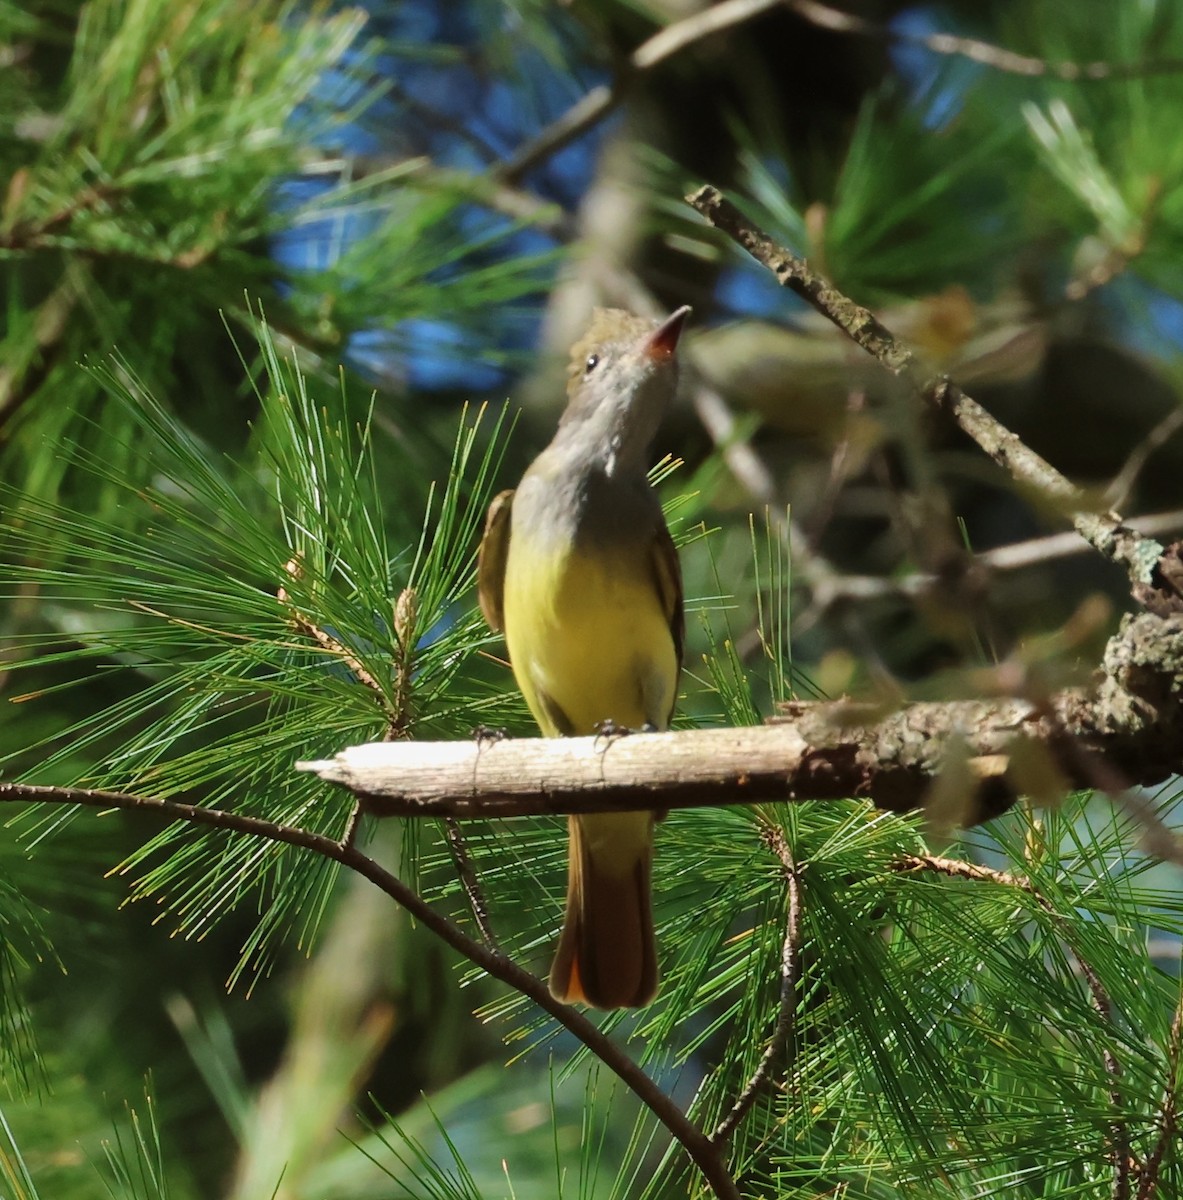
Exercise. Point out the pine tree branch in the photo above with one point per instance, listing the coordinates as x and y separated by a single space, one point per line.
1130 719
1105 532
705 1155
790 975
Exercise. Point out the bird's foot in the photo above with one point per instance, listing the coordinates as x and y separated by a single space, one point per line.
608 728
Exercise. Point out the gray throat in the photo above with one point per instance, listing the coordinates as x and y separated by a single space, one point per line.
576 499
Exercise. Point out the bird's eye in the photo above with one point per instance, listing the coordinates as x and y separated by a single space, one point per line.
590 365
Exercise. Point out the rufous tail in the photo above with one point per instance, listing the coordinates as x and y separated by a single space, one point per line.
607 956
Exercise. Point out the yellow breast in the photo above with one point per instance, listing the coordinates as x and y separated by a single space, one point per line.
588 637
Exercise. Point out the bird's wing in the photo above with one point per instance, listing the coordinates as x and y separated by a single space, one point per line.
490 564
668 573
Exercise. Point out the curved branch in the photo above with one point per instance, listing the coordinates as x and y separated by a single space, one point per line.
693 1140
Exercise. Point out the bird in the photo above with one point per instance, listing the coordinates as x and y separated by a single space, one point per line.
578 569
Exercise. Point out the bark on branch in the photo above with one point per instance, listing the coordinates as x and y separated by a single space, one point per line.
1104 531
1132 717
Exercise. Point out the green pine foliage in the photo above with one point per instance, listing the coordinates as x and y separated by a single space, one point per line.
222 556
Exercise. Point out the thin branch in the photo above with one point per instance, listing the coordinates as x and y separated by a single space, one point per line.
1033 552
1036 551
1119 1134
790 975
753 475
326 641
697 1145
986 53
1168 1117
959 868
748 468
469 880
859 323
1105 532
599 102
1123 482
19 380
339 650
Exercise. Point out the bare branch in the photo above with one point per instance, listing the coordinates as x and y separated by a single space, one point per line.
1033 552
696 1143
1132 719
1105 532
986 53
790 975
1039 550
1123 482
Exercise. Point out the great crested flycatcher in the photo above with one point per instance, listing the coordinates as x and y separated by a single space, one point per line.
579 570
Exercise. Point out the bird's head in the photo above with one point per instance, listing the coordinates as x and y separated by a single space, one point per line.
621 379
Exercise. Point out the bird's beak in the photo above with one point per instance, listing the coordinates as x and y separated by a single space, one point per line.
663 341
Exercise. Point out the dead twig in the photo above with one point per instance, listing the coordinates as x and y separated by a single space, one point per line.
1123 482
1034 552
1130 718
